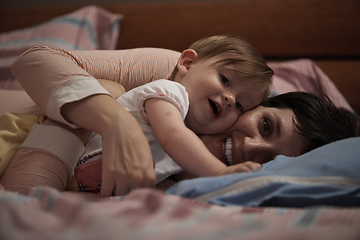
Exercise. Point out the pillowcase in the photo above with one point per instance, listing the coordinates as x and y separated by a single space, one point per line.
305 75
89 28
328 175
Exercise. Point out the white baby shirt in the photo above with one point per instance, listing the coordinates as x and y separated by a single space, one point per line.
133 101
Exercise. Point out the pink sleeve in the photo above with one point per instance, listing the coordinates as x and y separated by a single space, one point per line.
42 70
15 101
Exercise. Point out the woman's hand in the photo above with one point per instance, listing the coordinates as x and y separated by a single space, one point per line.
127 160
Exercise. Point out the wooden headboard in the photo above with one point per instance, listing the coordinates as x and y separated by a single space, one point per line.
326 31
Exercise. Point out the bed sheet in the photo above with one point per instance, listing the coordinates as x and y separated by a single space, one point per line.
150 214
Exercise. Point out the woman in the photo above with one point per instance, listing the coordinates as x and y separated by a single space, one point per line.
121 136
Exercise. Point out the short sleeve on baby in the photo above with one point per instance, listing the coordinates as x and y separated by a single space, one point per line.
167 90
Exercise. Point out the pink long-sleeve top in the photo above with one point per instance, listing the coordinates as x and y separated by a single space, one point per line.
53 76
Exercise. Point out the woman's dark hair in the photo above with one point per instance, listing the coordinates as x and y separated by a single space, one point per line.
317 119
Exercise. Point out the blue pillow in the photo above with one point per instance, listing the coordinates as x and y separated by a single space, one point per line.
329 175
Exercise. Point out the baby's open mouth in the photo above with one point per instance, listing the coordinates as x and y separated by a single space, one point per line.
215 108
227 150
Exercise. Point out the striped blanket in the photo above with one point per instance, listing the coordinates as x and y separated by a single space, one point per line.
150 214
89 28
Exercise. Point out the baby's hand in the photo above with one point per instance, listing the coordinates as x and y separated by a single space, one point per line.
241 167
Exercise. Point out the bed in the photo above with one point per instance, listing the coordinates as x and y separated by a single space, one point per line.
312 45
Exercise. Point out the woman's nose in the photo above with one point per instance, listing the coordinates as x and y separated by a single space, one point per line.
255 150
229 100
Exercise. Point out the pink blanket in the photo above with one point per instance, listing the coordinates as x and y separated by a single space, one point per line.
149 214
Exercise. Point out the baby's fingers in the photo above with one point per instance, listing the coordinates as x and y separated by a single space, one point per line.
245 167
251 165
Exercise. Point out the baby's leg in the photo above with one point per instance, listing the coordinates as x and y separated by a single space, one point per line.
46 158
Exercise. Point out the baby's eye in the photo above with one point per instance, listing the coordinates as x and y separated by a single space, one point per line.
238 106
225 80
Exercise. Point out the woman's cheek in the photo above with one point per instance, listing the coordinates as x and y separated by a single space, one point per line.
213 143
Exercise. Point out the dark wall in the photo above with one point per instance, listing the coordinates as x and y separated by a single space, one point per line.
28 3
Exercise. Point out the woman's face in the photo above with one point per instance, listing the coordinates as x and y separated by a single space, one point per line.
258 135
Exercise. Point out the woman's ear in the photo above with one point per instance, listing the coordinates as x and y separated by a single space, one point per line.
186 59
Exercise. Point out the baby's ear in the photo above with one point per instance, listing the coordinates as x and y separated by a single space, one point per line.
186 59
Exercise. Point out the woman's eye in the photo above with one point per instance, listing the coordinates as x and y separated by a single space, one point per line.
265 127
225 80
238 106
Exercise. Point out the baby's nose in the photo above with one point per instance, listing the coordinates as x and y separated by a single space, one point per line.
229 100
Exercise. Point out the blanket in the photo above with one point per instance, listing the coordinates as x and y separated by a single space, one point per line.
150 214
329 175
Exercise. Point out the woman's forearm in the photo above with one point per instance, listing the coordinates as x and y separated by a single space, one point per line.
127 159
96 113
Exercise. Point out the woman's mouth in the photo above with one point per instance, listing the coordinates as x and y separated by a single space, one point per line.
227 151
215 108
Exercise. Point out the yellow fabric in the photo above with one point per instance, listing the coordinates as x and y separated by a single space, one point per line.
13 130
72 185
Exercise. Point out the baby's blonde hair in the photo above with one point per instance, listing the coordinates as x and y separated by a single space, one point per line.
237 52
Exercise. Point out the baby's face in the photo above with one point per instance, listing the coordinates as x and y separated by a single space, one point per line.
218 96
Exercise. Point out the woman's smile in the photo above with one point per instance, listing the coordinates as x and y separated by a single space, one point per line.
227 151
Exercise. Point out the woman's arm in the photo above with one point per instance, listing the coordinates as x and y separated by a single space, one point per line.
45 72
124 166
183 145
115 89
133 171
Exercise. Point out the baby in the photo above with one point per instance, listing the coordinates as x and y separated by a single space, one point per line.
214 81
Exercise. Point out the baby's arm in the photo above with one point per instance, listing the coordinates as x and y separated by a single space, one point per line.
183 145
